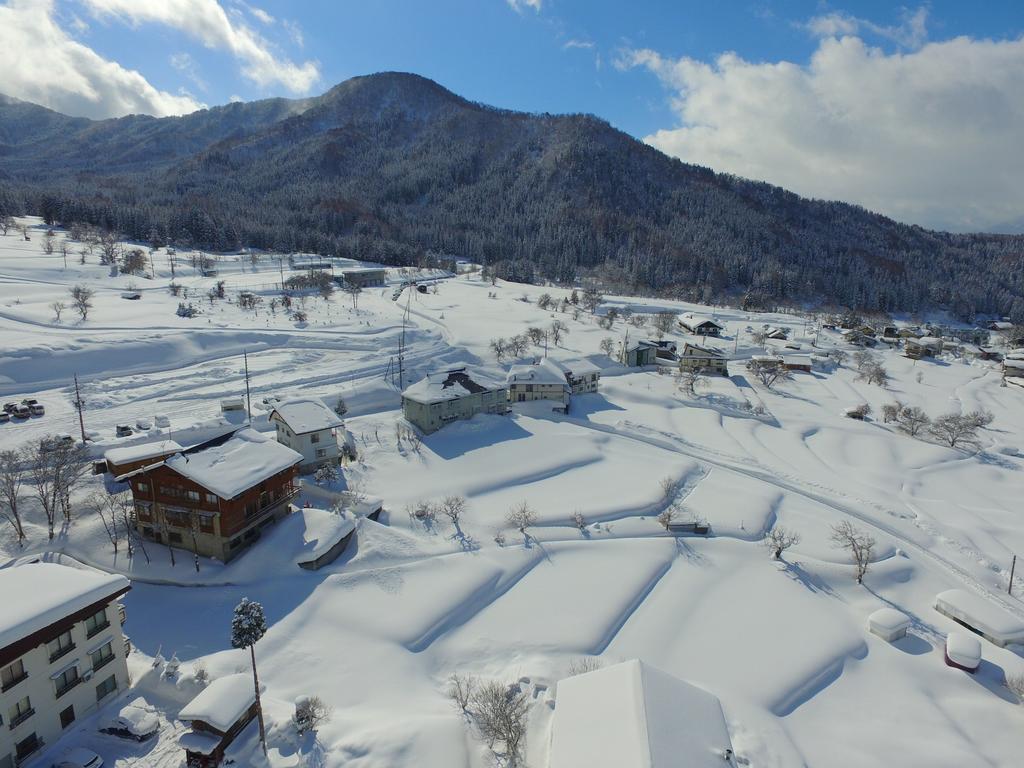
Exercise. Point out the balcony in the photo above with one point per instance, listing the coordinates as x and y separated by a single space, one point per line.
24 752
60 652
15 722
67 687
97 629
122 615
288 493
11 683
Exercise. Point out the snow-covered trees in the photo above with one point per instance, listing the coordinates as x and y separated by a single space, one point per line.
544 301
521 517
873 373
54 468
954 429
558 330
859 544
779 539
607 345
81 300
663 323
499 348
591 299
769 372
499 711
912 420
248 625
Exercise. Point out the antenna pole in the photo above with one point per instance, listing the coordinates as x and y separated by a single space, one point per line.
78 407
248 399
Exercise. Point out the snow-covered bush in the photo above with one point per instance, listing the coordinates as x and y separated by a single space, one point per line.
310 712
521 517
326 474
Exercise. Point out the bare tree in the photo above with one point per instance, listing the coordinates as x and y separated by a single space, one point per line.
110 507
838 356
954 429
453 507
544 301
663 323
81 300
12 475
583 664
760 338
862 359
58 307
591 299
353 292
521 517
891 412
500 711
608 345
1015 685
500 348
980 419
779 539
558 330
912 420
668 487
43 477
769 372
460 690
874 373
579 520
6 222
667 517
535 335
517 345
310 713
47 242
860 545
690 379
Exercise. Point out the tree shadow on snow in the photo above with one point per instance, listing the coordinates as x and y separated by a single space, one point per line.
461 438
797 573
584 406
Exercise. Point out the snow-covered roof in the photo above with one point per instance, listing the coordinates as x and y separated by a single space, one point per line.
578 366
889 619
361 270
692 320
200 742
797 360
632 714
451 384
223 702
927 341
544 372
235 465
141 452
36 595
695 350
982 614
307 414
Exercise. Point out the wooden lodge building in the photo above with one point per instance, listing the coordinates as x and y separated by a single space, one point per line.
215 498
216 717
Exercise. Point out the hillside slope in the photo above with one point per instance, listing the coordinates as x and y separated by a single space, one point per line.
389 166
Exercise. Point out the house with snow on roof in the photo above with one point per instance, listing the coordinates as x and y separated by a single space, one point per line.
216 717
307 425
216 498
706 359
700 325
452 394
543 380
632 714
62 652
926 346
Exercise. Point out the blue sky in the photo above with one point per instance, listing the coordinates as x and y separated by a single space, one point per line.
915 111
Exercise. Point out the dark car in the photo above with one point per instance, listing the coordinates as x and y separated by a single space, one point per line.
21 411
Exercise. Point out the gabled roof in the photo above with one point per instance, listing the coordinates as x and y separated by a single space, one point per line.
306 414
451 384
543 372
35 595
141 452
578 366
233 466
692 320
695 350
223 702
635 715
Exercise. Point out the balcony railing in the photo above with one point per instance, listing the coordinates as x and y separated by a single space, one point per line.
122 615
11 683
61 652
97 629
23 757
68 686
102 662
16 721
288 494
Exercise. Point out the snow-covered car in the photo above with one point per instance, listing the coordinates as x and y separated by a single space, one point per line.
4 417
9 407
37 409
79 757
144 424
53 443
162 421
123 430
21 412
135 721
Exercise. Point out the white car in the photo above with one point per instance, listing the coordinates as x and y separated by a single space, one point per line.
80 758
144 425
135 721
162 421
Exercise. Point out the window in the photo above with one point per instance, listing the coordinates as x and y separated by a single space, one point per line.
106 688
102 655
67 716
177 517
27 746
206 523
60 645
142 487
20 712
144 510
251 509
321 453
66 680
314 438
96 623
174 537
192 495
12 674
211 498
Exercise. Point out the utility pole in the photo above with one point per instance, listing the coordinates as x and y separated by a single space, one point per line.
248 400
78 407
1013 567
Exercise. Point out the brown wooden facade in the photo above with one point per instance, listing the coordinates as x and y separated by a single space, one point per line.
212 760
175 510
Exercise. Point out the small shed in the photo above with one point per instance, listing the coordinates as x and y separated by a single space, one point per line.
981 616
216 717
963 651
889 624
797 363
640 354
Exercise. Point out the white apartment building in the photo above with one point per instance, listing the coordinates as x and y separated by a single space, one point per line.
62 652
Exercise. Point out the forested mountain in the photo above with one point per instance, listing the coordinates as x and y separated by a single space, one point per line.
392 166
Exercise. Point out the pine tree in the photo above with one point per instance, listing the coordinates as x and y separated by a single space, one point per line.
248 625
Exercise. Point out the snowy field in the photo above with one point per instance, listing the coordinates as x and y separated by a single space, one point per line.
376 634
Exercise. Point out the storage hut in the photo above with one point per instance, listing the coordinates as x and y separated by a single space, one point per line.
981 616
216 717
889 624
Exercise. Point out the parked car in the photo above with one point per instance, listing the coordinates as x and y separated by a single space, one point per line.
162 421
79 757
21 411
123 430
4 417
53 443
135 721
37 409
144 425
29 401
9 407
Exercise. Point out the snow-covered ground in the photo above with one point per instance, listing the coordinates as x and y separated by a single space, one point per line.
785 645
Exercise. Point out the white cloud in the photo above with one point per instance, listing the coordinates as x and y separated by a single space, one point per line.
911 32
521 5
262 16
184 63
931 137
42 64
585 44
208 22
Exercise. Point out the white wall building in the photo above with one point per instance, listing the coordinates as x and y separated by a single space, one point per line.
62 652
544 380
307 425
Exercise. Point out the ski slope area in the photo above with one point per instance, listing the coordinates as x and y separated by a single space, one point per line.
377 633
